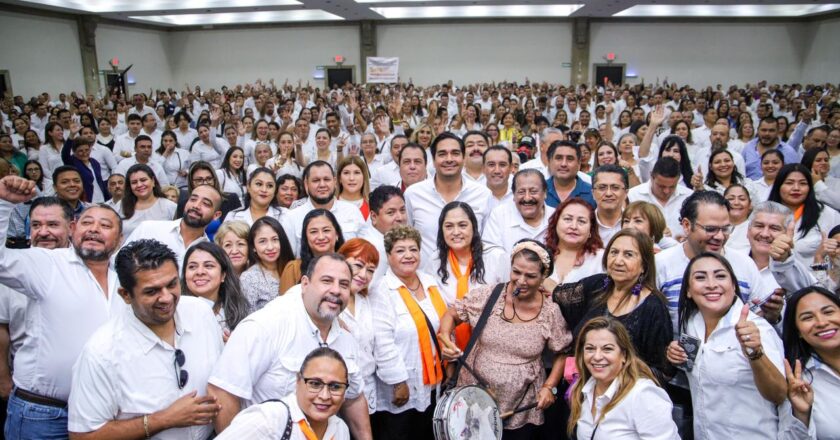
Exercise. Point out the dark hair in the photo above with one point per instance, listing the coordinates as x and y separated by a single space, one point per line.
231 298
552 239
306 254
145 254
129 200
133 117
684 162
711 178
64 169
298 184
202 165
381 195
46 202
142 138
40 182
310 268
666 167
811 155
246 199
286 254
497 148
609 145
610 168
444 136
317 163
169 133
691 206
557 144
774 152
240 174
476 133
813 207
687 307
529 172
795 347
414 145
322 352
648 276
534 258
476 247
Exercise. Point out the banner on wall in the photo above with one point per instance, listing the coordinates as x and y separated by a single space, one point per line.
383 69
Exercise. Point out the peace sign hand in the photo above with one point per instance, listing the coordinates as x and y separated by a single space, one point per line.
800 393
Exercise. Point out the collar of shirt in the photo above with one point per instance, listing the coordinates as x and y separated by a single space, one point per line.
727 321
600 401
175 228
148 339
312 329
393 283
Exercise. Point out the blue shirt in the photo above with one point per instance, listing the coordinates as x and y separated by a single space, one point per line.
752 159
582 190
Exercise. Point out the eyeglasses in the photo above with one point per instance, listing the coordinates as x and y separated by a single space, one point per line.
314 386
605 187
713 230
203 180
181 375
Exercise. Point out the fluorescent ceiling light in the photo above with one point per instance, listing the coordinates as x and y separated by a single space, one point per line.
240 17
478 11
107 6
726 10
404 1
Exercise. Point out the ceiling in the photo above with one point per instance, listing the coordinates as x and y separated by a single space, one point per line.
208 13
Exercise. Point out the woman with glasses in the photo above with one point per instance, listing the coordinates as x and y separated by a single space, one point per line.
309 413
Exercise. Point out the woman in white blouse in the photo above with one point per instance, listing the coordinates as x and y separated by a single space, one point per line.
260 135
260 199
740 207
206 148
407 300
143 199
50 153
284 162
574 240
174 160
308 413
616 396
231 174
736 378
771 162
812 351
826 187
262 153
184 134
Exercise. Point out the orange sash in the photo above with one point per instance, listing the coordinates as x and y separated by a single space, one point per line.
432 371
307 430
798 213
463 330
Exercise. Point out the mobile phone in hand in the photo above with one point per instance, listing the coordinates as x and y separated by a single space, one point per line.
691 346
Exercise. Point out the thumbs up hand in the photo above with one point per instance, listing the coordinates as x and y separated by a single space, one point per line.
828 248
697 180
782 245
748 334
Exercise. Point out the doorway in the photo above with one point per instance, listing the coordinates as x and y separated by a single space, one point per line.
612 72
339 75
5 83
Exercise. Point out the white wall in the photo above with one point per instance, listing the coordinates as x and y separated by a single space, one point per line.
228 57
434 53
705 53
822 64
145 49
41 54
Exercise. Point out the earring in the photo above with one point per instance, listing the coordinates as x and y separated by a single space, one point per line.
637 289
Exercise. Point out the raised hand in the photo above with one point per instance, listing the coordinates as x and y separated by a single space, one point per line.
747 332
697 180
16 189
657 116
799 392
829 247
782 245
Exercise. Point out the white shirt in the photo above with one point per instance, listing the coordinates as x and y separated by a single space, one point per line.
160 174
377 239
823 423
66 305
208 153
267 421
388 174
701 159
505 226
106 160
726 401
496 270
423 205
162 209
643 413
606 232
167 232
244 215
347 214
13 313
230 184
123 143
738 238
50 159
592 264
394 325
126 371
759 189
262 358
807 246
185 139
178 161
671 209
493 201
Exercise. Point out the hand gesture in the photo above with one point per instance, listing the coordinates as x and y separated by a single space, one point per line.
448 349
782 245
816 176
657 116
609 109
240 128
771 310
800 393
16 189
545 398
747 332
697 180
215 115
191 410
676 354
829 247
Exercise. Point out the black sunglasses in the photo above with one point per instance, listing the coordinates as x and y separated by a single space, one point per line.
181 375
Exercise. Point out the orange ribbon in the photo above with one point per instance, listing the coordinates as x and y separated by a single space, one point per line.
432 371
307 431
798 213
463 330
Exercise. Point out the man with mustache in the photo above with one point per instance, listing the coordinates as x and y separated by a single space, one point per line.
609 188
476 144
67 183
525 216
265 351
203 206
71 293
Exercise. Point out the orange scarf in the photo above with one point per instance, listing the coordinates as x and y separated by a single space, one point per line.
307 431
463 330
432 371
798 213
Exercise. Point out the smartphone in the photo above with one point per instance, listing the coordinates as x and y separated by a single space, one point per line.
691 345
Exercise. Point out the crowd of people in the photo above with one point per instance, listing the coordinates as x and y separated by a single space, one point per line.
272 261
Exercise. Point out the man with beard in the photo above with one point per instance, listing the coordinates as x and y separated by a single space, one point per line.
116 187
526 216
265 351
71 293
319 181
718 140
123 384
768 139
203 206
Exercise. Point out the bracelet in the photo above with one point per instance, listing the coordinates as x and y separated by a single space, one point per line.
756 355
146 426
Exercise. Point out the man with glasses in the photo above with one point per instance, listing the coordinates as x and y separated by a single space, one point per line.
262 358
609 188
144 373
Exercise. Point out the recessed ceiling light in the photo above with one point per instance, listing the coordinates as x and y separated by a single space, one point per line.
240 17
726 10
106 6
477 11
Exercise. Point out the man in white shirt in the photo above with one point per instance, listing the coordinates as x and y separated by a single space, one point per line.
718 140
143 147
150 123
525 216
116 187
319 181
389 173
71 293
387 209
140 108
665 191
124 143
264 353
40 118
202 207
497 165
706 226
609 189
124 383
476 143
425 200
412 166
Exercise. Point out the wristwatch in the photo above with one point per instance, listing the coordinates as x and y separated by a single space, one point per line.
552 389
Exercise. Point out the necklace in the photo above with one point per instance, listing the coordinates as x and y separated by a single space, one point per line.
516 315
